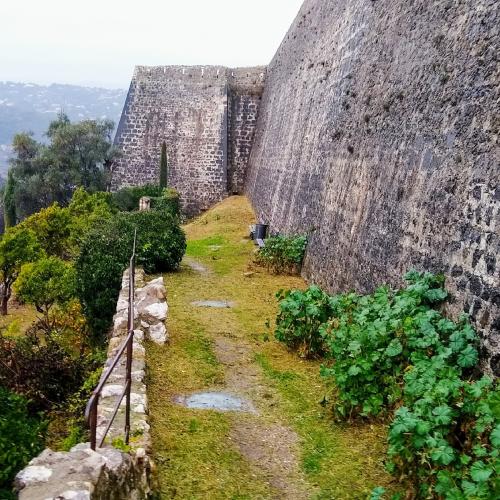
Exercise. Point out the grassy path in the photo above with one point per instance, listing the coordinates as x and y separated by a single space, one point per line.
289 447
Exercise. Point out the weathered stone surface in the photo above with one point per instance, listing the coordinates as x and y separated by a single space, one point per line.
152 292
33 474
158 333
155 312
80 474
217 304
378 137
221 401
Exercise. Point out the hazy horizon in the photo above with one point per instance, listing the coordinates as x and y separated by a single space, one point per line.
99 44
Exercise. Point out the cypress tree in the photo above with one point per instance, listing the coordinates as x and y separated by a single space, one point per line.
163 166
9 202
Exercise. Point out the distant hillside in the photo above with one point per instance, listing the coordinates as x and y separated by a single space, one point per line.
30 107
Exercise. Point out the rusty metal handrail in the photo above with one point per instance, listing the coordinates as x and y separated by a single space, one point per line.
126 346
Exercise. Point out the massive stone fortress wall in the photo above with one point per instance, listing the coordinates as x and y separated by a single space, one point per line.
378 136
206 116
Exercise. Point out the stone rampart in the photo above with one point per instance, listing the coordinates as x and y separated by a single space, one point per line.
378 136
193 109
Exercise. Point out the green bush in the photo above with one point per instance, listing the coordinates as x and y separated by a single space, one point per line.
17 247
127 199
161 242
168 202
52 228
393 353
41 370
21 437
283 254
104 255
106 252
46 283
86 210
301 314
446 437
370 338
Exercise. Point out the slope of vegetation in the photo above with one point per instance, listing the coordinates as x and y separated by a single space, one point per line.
61 263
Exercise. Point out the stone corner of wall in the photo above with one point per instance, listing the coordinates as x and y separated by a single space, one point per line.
82 473
109 472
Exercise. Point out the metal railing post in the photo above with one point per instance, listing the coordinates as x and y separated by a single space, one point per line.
128 376
93 424
127 345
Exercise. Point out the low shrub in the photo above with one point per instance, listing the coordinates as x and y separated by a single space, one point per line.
105 254
169 201
161 242
283 254
370 338
21 437
394 355
43 372
301 314
127 199
446 437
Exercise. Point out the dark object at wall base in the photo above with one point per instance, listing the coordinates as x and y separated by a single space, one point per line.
261 231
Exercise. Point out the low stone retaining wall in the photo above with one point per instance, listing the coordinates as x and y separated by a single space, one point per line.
109 473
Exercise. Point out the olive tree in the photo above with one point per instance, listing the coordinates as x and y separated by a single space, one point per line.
47 282
18 246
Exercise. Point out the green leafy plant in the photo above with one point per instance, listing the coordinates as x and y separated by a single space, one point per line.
46 283
17 247
370 338
105 254
283 254
161 243
393 355
301 314
21 436
120 444
169 201
87 210
52 228
445 437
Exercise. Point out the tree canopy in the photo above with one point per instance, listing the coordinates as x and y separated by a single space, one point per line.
47 282
77 154
17 247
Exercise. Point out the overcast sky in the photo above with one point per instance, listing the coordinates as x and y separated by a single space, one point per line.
98 42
